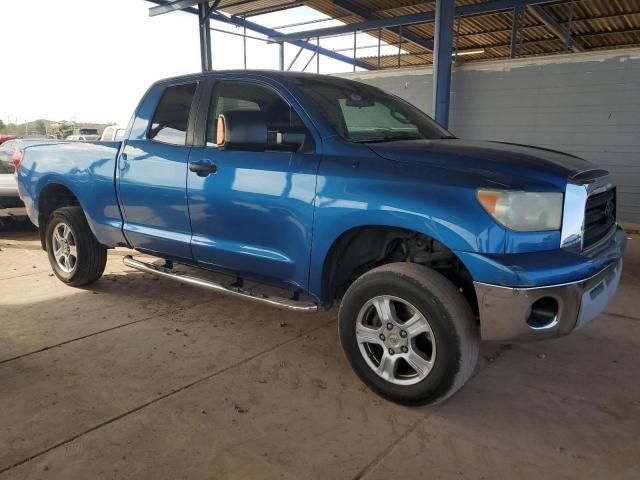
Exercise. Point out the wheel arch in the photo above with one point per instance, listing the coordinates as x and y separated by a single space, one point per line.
51 197
361 248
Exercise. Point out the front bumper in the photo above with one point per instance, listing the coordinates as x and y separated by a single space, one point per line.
514 314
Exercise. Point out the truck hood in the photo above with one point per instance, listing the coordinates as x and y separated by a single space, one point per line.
504 165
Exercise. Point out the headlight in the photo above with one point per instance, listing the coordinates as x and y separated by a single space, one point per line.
523 211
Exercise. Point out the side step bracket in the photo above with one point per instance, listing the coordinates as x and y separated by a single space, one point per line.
285 303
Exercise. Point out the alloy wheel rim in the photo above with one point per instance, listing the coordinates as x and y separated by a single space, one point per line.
65 250
395 339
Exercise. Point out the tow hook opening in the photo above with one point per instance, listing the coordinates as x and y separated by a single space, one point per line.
543 313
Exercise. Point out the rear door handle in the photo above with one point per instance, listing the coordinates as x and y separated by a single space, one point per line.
203 169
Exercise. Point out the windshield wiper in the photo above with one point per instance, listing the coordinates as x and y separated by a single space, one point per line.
395 137
390 137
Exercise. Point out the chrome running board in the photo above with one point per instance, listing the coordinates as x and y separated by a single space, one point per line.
288 304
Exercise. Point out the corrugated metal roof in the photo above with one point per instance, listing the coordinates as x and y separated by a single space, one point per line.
594 25
256 7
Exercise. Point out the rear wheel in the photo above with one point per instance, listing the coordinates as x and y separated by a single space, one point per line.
75 255
408 333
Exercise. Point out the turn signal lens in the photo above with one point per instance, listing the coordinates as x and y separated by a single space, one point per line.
523 211
489 200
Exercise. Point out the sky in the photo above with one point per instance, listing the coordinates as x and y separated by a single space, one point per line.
92 60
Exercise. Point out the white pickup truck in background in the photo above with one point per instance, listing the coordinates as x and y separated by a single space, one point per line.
113 133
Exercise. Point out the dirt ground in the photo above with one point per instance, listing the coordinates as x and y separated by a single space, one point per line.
141 378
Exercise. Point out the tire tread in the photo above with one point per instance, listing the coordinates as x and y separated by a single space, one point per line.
447 296
92 256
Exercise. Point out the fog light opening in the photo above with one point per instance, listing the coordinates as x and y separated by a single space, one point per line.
543 313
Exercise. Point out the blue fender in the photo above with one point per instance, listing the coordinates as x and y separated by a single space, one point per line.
358 189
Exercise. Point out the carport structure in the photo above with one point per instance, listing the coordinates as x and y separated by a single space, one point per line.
430 32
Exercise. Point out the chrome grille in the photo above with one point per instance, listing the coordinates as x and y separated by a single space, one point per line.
599 216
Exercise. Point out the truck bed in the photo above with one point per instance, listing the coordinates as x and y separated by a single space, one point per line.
86 169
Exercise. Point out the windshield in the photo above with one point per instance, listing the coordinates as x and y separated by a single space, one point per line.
362 113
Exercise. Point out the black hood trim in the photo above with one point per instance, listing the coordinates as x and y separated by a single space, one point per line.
536 147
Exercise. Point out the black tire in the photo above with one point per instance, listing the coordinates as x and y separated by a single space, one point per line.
452 325
91 257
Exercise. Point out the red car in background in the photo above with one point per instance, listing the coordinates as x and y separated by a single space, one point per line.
6 138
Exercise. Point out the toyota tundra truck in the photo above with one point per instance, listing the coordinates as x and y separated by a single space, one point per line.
337 192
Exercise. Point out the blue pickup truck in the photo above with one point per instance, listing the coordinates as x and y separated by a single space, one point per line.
336 191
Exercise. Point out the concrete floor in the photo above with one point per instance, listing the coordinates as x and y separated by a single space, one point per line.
137 378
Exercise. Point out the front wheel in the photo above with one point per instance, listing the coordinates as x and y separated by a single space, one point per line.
408 333
75 255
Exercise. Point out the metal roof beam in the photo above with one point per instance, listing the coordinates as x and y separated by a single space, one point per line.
404 20
300 43
349 6
558 30
172 7
270 33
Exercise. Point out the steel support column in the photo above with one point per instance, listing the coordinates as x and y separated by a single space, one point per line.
244 46
205 36
443 46
281 56
513 51
355 48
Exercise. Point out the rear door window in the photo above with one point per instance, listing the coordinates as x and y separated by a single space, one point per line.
169 124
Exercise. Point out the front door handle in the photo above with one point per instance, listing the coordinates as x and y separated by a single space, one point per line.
202 169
